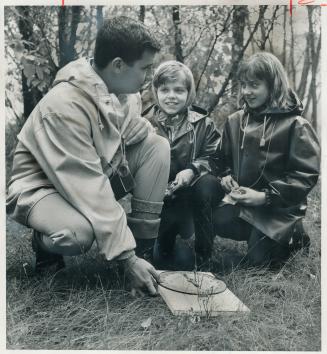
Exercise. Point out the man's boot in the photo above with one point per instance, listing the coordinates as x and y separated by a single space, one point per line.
45 261
144 223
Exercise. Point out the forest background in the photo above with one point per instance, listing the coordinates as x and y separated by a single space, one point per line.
211 40
85 306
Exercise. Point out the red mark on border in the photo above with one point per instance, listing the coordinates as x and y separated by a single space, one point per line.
291 7
62 3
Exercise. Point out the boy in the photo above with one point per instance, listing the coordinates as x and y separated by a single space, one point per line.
84 132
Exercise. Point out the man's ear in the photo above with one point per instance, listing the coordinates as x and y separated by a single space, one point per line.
118 65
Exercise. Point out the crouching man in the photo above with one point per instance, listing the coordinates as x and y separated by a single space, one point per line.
83 147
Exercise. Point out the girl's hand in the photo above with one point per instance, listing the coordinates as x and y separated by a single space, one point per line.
228 183
184 178
248 196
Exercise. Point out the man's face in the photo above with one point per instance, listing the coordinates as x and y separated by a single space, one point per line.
132 77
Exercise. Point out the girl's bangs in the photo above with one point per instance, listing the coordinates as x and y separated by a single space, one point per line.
252 70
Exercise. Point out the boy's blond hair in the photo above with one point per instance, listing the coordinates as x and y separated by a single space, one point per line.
170 71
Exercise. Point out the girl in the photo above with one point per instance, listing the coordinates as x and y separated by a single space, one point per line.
269 162
193 139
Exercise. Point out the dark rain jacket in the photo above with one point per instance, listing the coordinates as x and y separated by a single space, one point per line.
192 145
281 155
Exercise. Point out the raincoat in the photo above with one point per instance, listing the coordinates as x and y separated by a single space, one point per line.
71 130
192 144
277 150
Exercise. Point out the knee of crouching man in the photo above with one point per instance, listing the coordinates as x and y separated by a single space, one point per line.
161 146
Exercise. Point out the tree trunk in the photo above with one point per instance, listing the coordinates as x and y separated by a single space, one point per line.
178 34
69 18
31 95
292 63
99 17
284 39
142 13
239 18
314 54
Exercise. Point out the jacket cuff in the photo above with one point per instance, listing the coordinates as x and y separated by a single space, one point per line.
193 168
125 255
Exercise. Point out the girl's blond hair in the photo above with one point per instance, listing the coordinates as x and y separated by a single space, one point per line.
170 71
265 66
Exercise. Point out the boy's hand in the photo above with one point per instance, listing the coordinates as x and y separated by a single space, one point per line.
228 183
248 196
142 276
136 131
184 178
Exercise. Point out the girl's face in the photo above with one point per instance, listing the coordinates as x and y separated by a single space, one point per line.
172 96
255 92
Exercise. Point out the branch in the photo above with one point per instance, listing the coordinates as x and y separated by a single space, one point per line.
213 47
235 63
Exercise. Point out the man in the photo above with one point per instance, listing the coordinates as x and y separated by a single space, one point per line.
82 137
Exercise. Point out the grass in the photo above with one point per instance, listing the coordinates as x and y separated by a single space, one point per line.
86 305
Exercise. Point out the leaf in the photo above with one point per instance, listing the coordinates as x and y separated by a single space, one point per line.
146 323
39 72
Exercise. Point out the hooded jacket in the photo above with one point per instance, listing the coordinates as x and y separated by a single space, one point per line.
276 150
194 141
72 129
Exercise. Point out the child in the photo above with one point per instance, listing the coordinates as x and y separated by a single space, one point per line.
269 163
193 139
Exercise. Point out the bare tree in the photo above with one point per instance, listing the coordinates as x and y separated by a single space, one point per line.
236 62
177 33
69 18
142 13
31 95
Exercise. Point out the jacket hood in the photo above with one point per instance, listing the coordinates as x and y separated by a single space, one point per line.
296 108
81 74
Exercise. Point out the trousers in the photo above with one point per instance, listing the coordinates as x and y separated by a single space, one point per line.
67 232
262 250
191 212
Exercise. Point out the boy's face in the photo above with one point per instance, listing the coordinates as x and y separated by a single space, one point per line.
172 96
131 77
255 92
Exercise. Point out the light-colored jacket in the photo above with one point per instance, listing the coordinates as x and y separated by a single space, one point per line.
61 145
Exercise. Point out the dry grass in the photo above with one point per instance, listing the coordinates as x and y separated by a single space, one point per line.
86 307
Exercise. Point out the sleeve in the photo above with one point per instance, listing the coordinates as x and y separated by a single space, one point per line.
209 145
302 170
222 159
70 160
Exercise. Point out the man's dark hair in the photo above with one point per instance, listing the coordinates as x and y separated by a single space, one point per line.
122 37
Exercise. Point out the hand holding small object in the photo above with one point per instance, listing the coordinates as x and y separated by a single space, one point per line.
228 183
136 130
248 196
142 276
184 178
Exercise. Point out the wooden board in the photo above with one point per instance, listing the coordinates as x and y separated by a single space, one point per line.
210 305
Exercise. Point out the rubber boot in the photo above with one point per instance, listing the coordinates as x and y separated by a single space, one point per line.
144 223
45 261
300 239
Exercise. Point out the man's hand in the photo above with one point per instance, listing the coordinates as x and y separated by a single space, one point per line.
141 275
248 196
183 178
228 183
136 131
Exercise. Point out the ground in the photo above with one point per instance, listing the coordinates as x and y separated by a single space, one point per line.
86 306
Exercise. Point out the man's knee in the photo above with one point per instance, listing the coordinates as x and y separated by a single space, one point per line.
159 147
71 241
